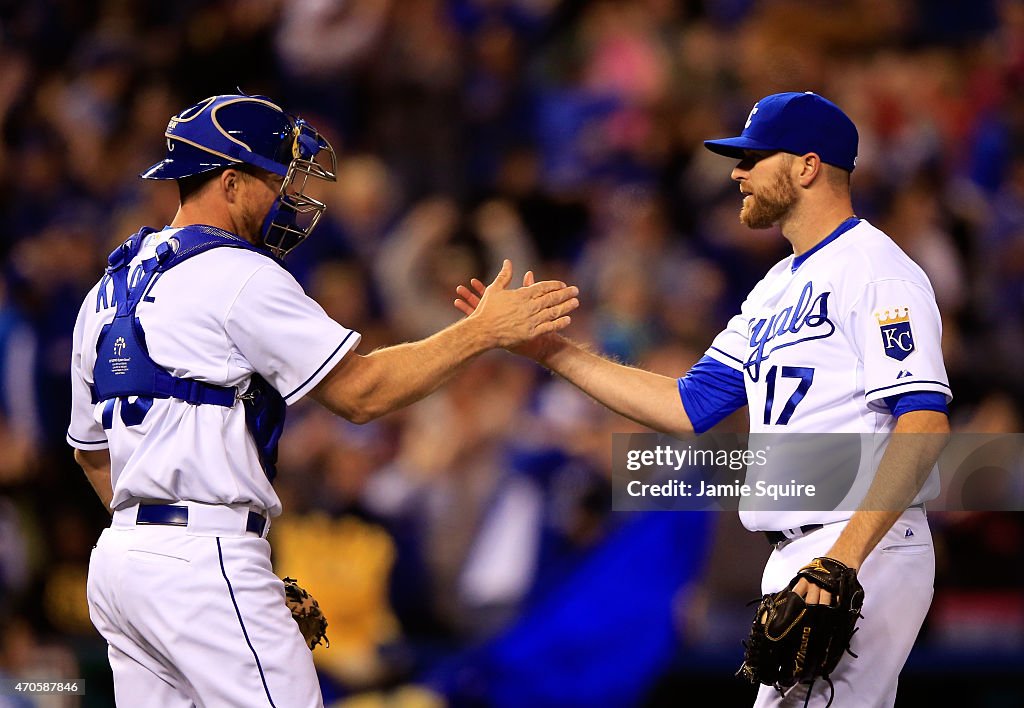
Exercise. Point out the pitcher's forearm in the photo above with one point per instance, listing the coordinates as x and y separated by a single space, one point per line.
908 460
642 396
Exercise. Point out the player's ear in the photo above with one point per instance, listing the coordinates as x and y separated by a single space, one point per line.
807 168
230 180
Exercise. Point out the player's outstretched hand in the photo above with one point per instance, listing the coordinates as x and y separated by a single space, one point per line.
518 319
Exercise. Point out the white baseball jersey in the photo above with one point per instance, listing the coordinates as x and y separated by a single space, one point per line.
219 317
821 340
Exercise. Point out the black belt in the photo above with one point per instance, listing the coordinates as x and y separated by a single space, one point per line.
175 515
777 537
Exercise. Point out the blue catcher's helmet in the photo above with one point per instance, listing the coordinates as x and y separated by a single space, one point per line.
221 131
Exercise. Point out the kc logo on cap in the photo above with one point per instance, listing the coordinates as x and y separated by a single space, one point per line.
750 117
797 123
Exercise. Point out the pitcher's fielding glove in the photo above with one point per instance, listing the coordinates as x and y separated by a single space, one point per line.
306 613
792 642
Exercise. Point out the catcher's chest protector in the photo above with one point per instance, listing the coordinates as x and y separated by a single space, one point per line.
123 364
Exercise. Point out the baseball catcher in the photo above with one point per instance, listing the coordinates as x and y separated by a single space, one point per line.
207 289
306 613
794 642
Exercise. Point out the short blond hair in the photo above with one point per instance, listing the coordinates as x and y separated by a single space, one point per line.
837 178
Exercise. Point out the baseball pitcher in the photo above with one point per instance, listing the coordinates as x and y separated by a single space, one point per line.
843 336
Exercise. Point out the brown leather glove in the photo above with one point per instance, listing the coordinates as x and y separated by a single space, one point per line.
306 613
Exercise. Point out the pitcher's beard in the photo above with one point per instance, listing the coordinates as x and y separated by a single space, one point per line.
769 206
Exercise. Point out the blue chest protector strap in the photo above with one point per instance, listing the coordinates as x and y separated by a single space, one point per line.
123 364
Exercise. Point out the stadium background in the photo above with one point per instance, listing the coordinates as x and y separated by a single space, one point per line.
466 544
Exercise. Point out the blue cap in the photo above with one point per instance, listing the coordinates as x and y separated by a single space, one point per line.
798 123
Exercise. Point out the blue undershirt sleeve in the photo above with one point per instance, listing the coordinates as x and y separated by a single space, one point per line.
916 401
710 391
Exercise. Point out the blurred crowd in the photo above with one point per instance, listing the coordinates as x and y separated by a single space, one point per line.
565 135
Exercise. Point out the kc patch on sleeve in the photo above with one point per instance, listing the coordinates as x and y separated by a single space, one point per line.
897 337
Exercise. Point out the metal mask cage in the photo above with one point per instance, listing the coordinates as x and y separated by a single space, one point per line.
296 213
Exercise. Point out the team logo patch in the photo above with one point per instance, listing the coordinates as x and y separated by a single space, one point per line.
897 337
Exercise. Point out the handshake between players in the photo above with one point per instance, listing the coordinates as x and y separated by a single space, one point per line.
511 318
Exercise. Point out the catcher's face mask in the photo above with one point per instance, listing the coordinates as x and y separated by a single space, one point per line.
295 214
233 129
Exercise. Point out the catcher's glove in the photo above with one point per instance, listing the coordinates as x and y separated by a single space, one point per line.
306 613
792 642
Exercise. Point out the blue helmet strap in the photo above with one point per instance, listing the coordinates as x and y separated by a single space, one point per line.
270 219
252 158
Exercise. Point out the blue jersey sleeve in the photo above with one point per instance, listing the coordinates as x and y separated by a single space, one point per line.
710 391
916 401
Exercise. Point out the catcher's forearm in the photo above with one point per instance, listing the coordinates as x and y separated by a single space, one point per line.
908 460
362 388
96 465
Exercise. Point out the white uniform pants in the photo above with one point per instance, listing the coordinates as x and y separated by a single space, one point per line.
196 617
898 578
